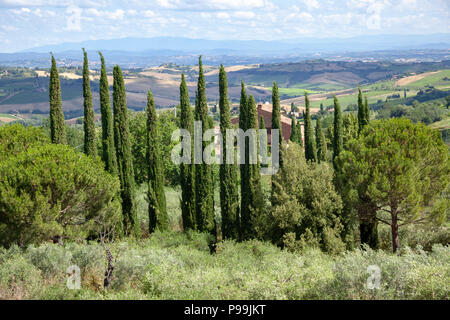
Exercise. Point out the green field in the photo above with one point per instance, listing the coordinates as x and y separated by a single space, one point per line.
372 96
294 92
5 115
436 80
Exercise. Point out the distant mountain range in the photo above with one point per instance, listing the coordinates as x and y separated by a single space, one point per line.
173 45
140 52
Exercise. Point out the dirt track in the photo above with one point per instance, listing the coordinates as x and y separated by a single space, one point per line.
408 80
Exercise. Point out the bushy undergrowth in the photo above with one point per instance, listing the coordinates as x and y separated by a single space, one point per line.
180 266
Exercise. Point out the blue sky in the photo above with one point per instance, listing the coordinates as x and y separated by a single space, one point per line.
29 23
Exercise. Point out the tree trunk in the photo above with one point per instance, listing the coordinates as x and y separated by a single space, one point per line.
369 233
109 270
394 227
368 228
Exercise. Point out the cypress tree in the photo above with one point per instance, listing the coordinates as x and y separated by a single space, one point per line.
338 143
262 125
361 111
293 129
90 147
57 124
298 132
229 197
366 111
368 228
187 174
276 116
108 149
310 147
157 212
204 193
252 183
321 142
243 168
123 153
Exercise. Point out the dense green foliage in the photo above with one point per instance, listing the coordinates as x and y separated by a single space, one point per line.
399 168
156 197
50 191
229 196
88 121
426 112
167 124
187 174
108 149
204 206
15 139
123 153
57 125
306 207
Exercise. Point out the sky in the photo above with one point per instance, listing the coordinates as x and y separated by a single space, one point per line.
26 24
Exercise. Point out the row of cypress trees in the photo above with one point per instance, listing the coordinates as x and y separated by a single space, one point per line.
197 181
116 143
238 213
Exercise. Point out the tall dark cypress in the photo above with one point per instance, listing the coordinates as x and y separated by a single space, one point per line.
108 149
361 111
310 145
368 228
321 142
123 153
299 135
187 173
243 106
262 125
57 124
293 130
90 147
252 184
338 143
229 197
276 116
366 111
204 193
157 211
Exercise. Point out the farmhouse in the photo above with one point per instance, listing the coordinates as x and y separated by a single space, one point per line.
265 110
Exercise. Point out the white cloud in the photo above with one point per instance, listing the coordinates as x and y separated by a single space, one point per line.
222 15
244 14
311 4
117 15
214 5
20 11
149 13
93 12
